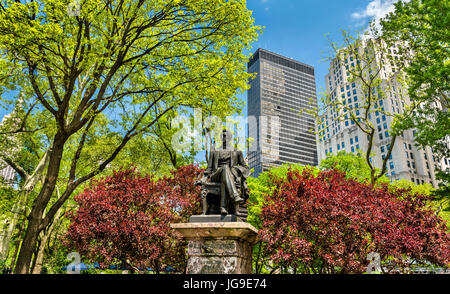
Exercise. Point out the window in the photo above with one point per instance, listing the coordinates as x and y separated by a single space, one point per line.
351 141
357 146
343 145
356 138
382 148
353 85
353 149
391 165
408 163
380 135
386 134
384 117
338 147
385 126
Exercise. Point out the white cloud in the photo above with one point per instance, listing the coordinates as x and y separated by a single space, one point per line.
265 3
376 10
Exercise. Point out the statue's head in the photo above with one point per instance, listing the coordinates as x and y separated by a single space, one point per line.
227 140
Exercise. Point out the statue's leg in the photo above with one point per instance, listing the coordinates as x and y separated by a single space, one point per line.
217 177
204 202
223 200
228 180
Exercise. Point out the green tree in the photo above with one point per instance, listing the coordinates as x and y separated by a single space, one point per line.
260 187
366 62
353 165
422 26
110 71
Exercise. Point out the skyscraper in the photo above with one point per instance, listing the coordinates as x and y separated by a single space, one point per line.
281 103
7 173
337 130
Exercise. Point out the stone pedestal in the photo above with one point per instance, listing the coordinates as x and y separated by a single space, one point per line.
219 247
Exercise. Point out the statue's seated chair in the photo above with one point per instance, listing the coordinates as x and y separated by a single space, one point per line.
210 199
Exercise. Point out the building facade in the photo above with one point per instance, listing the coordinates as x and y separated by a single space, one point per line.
338 132
7 173
281 103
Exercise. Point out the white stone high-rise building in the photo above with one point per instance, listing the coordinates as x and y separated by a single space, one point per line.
7 173
337 132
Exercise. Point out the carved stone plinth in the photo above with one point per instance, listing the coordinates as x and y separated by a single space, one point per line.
218 248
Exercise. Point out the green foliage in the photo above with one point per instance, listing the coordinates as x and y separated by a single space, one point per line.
110 75
425 189
365 61
423 26
7 197
260 188
353 165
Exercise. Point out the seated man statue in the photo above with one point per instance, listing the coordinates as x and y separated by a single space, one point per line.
227 168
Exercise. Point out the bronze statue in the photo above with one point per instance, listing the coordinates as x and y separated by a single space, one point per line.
224 182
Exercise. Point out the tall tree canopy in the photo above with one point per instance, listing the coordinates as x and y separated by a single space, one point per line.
107 71
423 27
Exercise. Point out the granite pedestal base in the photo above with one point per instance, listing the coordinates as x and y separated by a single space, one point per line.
219 247
215 218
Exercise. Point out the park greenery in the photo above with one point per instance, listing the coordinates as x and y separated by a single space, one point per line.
93 97
89 82
423 27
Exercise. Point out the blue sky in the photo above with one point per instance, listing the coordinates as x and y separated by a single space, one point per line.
298 29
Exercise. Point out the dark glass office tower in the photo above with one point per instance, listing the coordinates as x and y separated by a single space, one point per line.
281 103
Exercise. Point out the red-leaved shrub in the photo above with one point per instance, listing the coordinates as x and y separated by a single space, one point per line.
126 218
326 223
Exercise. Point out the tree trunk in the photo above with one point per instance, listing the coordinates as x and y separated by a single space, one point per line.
28 244
35 219
45 235
18 242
